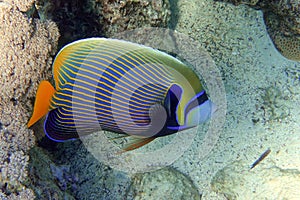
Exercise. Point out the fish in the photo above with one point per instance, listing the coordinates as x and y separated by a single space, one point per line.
261 158
122 87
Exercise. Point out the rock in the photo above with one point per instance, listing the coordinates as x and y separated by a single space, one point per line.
85 176
94 18
118 16
166 183
267 182
47 179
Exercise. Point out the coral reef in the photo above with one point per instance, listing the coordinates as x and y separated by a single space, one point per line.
21 5
166 183
284 30
25 54
282 19
76 173
75 19
25 194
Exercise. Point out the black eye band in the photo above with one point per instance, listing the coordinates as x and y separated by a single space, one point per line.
171 103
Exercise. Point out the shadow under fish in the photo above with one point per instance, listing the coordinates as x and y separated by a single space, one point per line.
119 86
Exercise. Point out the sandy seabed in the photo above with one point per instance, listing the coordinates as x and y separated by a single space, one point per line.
263 97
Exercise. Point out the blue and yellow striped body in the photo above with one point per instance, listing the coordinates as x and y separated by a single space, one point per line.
119 86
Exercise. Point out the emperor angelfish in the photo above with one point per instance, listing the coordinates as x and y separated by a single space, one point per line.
119 86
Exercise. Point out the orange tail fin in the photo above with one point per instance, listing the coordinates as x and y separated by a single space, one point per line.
42 102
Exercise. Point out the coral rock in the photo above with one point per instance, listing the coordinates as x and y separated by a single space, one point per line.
285 35
26 46
118 16
25 52
22 5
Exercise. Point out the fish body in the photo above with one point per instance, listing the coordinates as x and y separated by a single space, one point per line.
119 86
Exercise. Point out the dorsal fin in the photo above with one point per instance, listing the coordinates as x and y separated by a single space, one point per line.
42 102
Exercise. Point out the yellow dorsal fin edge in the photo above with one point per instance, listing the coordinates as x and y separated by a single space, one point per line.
42 102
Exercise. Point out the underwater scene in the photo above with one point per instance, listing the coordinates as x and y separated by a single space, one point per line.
150 99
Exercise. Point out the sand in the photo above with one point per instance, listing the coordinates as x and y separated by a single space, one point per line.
263 97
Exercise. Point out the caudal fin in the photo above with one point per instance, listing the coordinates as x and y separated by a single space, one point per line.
42 102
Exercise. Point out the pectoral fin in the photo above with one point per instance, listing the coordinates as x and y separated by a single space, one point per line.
137 143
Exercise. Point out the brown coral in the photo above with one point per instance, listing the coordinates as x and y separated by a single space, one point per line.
288 46
26 46
286 40
25 52
22 5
